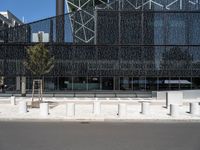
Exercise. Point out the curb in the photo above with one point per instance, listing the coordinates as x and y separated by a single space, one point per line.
102 120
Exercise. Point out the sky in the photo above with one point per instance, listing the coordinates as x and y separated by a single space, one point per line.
31 10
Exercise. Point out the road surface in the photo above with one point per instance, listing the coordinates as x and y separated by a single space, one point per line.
99 136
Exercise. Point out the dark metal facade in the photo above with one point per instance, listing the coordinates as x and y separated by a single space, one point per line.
145 49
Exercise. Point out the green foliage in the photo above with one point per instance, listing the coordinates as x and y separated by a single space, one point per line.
39 60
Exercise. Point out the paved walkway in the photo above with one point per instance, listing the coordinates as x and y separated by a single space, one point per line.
84 110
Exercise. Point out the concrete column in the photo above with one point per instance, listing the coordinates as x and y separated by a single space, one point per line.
70 110
96 108
22 107
44 109
13 100
145 108
194 108
174 110
18 83
23 87
122 110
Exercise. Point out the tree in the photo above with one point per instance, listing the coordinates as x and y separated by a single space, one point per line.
40 62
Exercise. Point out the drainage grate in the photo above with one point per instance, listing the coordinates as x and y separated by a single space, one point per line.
84 122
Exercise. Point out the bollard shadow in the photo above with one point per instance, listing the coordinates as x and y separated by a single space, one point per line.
164 107
188 112
36 104
52 104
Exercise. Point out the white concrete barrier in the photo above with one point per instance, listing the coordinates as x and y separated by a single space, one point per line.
70 110
122 110
97 108
174 110
22 107
145 108
194 108
13 100
44 109
174 98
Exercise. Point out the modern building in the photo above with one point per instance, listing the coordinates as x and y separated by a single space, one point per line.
111 45
7 20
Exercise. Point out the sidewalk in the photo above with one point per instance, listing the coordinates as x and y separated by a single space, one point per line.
84 111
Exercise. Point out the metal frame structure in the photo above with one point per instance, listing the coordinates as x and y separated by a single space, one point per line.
119 39
83 21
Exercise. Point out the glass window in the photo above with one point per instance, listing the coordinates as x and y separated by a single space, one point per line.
107 83
135 83
163 83
65 83
80 83
93 83
50 83
10 83
125 83
196 83
151 84
174 83
185 83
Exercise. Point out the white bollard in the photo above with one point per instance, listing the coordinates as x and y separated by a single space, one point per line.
44 109
174 110
96 108
22 107
13 100
194 108
122 110
145 108
70 110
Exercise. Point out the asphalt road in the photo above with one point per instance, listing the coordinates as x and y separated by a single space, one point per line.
99 136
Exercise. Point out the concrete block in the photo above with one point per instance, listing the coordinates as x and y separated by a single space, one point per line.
191 94
161 95
174 97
